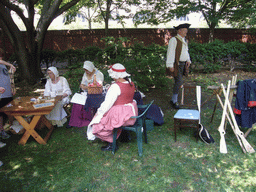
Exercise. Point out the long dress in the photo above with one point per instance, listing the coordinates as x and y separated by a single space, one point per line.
116 111
58 114
79 116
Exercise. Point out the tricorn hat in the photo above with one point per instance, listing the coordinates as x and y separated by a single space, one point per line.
184 25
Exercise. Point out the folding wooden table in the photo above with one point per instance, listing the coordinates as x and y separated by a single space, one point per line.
22 107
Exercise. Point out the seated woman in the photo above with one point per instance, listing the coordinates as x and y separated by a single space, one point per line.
117 108
56 85
79 116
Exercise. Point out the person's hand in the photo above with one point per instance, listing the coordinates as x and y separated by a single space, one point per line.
188 63
83 87
64 95
13 69
13 91
2 90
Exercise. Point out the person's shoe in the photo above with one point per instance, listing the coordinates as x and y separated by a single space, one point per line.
2 144
108 147
4 135
68 126
1 163
175 105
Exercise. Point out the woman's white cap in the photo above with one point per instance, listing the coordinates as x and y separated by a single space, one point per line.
117 71
54 70
88 65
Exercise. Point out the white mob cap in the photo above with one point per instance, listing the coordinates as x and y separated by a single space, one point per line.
117 71
54 70
88 65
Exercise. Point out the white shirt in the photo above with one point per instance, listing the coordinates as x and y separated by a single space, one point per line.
184 56
99 77
113 92
61 86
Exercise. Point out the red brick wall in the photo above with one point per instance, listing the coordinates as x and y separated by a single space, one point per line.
79 39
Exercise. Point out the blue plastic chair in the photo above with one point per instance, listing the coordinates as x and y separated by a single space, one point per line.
188 117
138 128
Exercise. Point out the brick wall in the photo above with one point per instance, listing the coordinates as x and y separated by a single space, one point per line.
79 39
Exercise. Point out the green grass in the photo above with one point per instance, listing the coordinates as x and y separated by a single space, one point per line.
69 162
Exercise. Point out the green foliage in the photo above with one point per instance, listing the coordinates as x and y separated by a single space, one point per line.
72 56
74 76
251 53
211 57
146 64
92 53
48 56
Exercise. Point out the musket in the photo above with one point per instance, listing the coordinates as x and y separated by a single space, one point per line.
231 124
223 146
239 133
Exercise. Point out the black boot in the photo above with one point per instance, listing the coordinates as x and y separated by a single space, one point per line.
109 147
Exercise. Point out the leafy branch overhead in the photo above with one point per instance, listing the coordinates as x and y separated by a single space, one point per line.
237 13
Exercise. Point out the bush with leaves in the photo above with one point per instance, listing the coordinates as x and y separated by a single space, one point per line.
48 56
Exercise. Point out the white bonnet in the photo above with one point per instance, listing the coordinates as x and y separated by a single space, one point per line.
54 70
117 71
88 65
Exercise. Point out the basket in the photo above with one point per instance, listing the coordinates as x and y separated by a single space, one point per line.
95 88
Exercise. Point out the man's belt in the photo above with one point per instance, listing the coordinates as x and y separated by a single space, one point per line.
182 62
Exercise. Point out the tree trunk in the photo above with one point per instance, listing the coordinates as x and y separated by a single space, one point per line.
211 35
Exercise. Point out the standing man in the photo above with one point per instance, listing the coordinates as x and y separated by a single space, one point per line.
177 58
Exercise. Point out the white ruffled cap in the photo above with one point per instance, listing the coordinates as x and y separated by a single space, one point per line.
117 71
54 70
88 65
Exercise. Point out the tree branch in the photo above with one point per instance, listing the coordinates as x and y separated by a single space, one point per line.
16 9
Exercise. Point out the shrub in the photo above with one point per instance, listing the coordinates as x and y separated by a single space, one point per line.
146 64
48 56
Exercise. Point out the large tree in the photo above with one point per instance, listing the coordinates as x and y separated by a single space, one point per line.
213 11
28 49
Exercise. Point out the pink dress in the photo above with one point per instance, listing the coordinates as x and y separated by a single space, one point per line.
118 115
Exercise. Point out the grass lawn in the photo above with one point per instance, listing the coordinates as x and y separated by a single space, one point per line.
69 162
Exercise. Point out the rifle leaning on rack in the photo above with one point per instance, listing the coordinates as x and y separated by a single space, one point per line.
248 148
223 146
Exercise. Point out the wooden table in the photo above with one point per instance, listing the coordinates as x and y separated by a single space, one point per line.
23 106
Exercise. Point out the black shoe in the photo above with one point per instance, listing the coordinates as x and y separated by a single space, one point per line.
175 105
68 126
109 147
